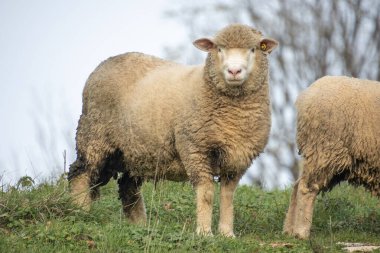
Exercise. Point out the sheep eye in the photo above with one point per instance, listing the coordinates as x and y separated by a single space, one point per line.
252 50
219 49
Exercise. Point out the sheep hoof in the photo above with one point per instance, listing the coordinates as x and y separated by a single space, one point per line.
287 231
204 233
297 234
137 221
303 235
228 234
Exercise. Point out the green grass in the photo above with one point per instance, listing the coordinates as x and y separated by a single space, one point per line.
43 219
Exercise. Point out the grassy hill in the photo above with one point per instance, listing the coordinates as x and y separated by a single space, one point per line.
43 219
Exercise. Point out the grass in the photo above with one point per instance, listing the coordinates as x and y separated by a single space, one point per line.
43 219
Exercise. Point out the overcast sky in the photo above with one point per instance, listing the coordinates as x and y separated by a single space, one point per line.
47 51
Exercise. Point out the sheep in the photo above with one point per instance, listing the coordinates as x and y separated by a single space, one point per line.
338 136
147 118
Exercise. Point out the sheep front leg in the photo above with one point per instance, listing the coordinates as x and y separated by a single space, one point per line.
291 214
227 190
205 198
304 210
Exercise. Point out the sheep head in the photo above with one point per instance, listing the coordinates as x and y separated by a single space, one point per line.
233 54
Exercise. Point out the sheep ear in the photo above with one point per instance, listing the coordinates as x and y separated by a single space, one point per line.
268 45
204 44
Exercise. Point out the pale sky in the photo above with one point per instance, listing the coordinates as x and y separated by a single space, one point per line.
47 51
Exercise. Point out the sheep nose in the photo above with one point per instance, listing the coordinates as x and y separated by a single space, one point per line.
234 71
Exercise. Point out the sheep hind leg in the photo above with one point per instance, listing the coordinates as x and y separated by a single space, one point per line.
304 210
227 189
80 190
106 172
291 214
132 199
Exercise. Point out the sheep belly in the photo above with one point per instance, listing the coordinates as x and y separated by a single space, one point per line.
149 149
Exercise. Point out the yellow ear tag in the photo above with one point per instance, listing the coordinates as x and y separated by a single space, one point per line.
263 46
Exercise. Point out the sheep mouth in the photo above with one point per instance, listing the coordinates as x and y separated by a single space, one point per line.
235 82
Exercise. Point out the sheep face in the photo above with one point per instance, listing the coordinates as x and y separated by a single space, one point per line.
235 53
235 64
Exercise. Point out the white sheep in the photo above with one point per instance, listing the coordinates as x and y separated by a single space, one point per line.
338 136
148 118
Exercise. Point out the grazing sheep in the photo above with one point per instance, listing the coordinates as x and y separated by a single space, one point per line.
338 136
148 118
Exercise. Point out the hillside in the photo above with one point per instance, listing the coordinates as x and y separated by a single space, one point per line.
42 219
